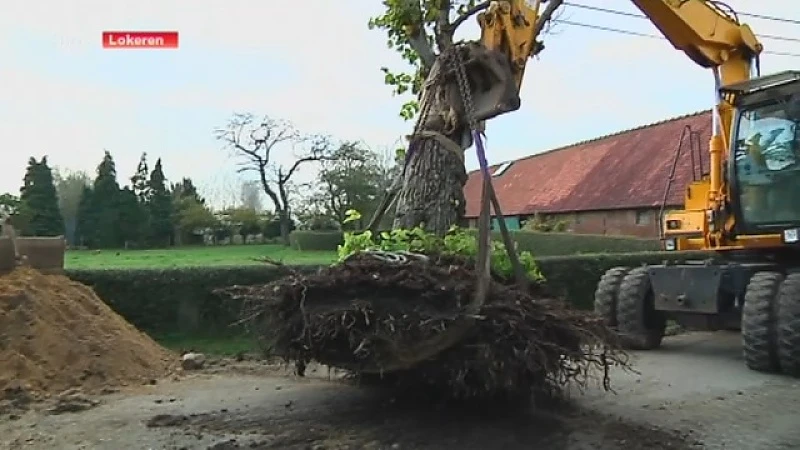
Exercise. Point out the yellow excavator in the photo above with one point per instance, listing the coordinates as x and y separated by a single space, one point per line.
741 216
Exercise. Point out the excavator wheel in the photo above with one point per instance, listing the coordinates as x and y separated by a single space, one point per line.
640 325
788 325
605 296
759 340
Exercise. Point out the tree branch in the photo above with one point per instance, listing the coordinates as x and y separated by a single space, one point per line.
418 41
444 32
467 14
545 17
261 138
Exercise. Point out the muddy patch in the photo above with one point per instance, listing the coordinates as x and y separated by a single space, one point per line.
383 424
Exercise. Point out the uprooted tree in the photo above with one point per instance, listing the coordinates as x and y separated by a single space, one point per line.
261 146
431 193
414 304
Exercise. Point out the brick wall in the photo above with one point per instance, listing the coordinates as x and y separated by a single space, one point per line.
625 222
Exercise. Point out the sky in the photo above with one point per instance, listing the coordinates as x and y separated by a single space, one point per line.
317 65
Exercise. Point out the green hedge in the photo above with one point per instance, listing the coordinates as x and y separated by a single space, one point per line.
539 243
178 299
576 277
542 244
316 240
169 300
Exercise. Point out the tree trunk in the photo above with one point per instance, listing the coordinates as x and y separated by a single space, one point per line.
285 225
433 189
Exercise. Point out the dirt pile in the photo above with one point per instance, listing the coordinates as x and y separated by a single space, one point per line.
56 334
407 316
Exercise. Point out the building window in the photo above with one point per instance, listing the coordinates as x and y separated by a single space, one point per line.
643 217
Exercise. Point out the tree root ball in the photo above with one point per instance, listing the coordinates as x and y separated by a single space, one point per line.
405 318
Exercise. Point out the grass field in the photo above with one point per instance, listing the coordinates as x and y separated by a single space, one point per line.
212 345
227 255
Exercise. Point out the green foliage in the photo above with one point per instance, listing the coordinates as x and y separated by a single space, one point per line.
99 221
38 202
194 256
193 215
457 242
576 277
186 189
404 18
315 221
316 240
9 204
166 301
545 224
70 186
84 226
553 243
353 178
140 180
132 216
245 220
145 213
272 228
160 208
170 300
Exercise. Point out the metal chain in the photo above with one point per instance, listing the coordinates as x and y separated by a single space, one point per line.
463 86
451 59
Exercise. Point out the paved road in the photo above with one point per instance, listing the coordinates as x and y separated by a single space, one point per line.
698 381
695 383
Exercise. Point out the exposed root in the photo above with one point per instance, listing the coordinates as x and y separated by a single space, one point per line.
408 318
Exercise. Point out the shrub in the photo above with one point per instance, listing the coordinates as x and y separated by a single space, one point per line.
552 243
576 277
457 241
316 240
177 299
163 301
272 228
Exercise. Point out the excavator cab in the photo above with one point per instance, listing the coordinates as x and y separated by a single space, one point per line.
765 155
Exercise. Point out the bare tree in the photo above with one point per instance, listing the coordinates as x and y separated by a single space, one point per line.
257 142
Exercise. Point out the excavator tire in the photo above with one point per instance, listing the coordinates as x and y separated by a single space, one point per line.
605 296
788 325
759 340
640 326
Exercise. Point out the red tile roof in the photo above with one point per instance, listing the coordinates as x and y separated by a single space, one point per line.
623 170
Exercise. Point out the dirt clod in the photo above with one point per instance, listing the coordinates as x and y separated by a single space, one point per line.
56 334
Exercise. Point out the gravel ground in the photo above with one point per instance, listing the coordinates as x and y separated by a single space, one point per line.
693 393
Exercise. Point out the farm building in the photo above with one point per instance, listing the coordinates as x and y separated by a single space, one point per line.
614 184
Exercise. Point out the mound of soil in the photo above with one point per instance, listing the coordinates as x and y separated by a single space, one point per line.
56 334
410 317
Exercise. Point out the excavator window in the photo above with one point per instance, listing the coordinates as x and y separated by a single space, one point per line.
768 163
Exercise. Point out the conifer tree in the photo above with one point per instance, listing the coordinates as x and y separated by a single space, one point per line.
39 211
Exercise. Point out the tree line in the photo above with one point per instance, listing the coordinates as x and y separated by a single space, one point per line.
148 211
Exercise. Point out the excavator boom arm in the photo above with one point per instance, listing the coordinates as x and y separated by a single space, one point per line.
707 31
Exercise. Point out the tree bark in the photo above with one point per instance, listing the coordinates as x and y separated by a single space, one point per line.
433 189
285 227
432 192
